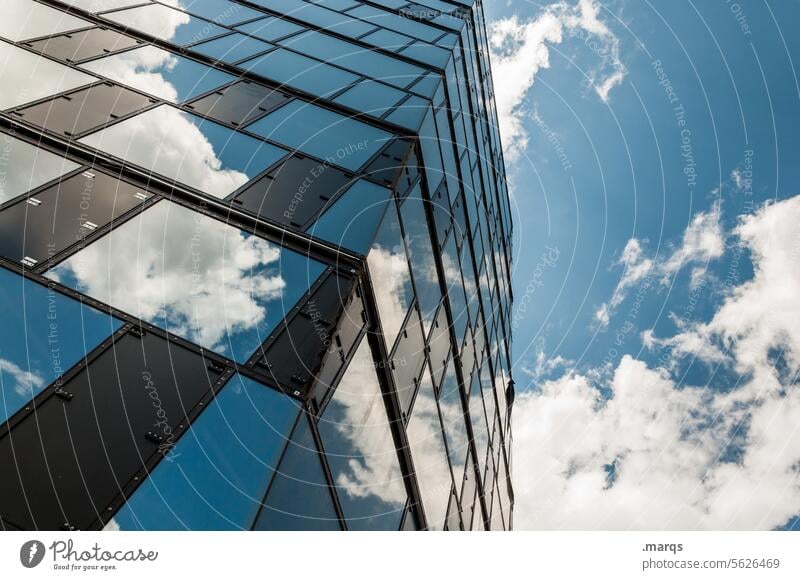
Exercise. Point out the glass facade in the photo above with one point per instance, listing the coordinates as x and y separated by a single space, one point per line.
255 266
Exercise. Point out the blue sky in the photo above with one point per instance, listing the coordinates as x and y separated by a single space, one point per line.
652 150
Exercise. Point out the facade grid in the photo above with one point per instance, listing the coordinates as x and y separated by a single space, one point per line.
255 261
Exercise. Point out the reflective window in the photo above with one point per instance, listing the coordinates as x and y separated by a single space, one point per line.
216 475
24 167
322 17
480 431
407 360
27 19
360 448
197 277
43 334
431 155
188 149
299 497
323 133
395 22
352 220
219 11
100 5
160 73
391 279
387 39
455 289
34 77
429 455
232 48
454 423
420 250
300 72
410 113
439 344
428 53
370 97
166 23
356 58
270 28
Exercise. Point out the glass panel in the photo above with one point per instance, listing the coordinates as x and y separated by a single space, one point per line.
454 423
353 57
26 19
323 133
44 333
239 103
322 17
187 148
370 97
85 109
353 219
217 473
410 113
395 22
219 11
407 360
387 39
429 142
299 498
428 53
24 167
480 430
166 23
391 279
34 77
84 44
439 344
232 48
360 448
455 289
199 278
160 73
429 455
420 250
100 5
37 229
270 28
300 72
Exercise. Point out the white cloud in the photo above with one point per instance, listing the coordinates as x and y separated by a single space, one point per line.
703 241
521 48
25 383
667 441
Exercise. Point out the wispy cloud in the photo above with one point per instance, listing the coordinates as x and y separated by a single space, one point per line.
521 48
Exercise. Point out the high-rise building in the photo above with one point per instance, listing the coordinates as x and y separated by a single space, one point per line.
255 264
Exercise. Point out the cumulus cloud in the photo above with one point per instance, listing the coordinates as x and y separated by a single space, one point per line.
519 49
25 383
657 454
703 241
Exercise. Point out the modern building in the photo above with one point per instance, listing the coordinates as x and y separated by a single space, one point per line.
255 263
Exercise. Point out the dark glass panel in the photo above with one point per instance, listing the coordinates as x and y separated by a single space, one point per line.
217 474
232 48
82 445
84 44
295 350
36 229
239 103
85 109
43 334
295 191
299 497
454 422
